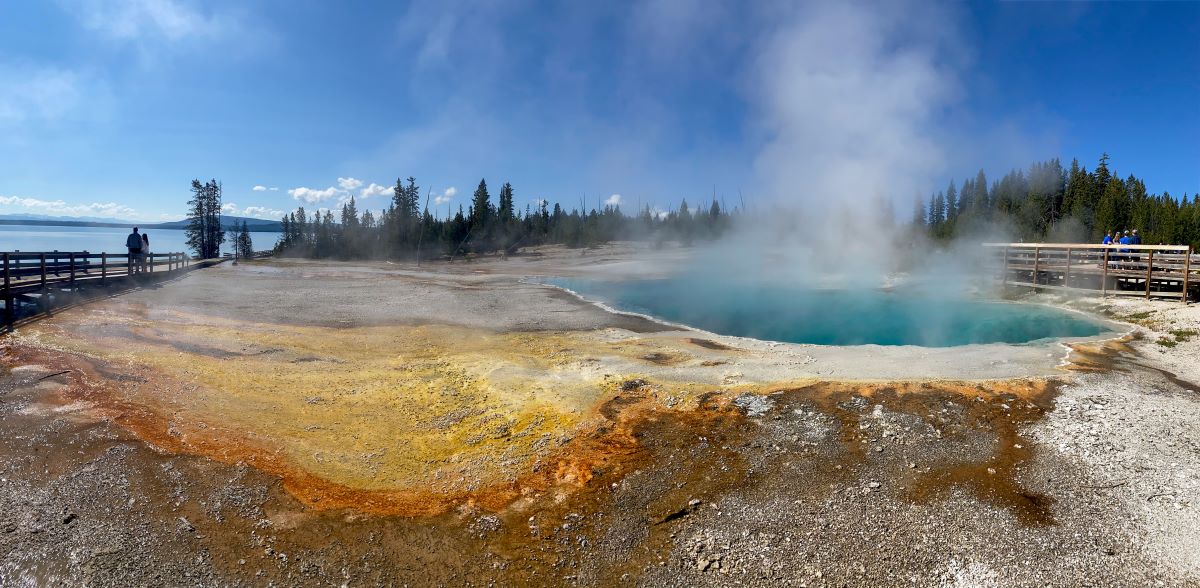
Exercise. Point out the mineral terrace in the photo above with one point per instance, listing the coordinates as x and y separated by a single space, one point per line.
304 423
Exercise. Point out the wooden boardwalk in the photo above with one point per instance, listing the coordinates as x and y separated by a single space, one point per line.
35 283
1160 271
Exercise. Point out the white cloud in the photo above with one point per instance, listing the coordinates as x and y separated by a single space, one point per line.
614 200
262 212
341 192
373 190
274 188
28 93
232 209
446 196
349 183
61 208
312 196
130 20
259 188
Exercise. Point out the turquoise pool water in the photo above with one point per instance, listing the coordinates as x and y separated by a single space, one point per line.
833 317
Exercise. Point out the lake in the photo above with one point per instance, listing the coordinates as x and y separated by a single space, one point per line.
799 314
105 239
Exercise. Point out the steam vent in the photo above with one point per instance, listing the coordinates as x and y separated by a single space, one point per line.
652 293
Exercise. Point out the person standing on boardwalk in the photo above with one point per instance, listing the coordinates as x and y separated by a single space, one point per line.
145 255
134 243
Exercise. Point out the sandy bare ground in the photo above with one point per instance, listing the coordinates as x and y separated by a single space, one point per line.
308 423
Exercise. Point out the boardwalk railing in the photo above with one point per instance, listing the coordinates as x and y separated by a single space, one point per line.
257 254
1166 271
33 277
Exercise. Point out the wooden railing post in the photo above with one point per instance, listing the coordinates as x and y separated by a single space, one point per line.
1187 269
1036 259
1149 271
71 280
9 312
1104 276
103 267
1067 274
45 292
1005 275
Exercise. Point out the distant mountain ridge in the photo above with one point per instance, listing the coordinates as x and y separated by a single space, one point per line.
47 217
228 223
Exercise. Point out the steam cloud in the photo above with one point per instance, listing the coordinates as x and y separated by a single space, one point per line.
851 99
849 95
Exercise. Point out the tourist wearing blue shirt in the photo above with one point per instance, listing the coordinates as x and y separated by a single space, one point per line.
1107 239
1135 239
1125 241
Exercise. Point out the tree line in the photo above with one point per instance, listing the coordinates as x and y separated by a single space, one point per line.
407 229
1055 204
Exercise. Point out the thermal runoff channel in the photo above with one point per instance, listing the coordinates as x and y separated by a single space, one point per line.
803 314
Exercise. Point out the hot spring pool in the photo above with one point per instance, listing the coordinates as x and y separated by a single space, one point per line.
833 317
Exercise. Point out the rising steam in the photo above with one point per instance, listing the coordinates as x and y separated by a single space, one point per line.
850 98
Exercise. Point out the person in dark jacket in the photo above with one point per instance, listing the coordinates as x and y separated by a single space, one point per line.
134 243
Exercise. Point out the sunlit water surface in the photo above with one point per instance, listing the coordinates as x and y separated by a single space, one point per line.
861 316
105 239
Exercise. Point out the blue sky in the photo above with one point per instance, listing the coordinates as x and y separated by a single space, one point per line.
111 107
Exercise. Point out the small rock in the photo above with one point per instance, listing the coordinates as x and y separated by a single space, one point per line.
753 404
874 485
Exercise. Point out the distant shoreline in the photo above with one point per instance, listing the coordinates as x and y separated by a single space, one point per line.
234 224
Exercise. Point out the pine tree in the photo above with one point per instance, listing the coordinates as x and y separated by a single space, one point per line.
980 197
480 208
506 203
1102 174
918 219
204 232
349 214
1114 206
244 244
966 202
951 202
412 200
